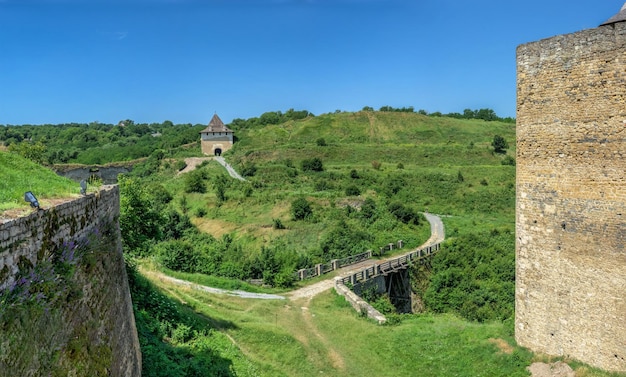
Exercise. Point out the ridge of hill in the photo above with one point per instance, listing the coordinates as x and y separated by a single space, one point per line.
390 137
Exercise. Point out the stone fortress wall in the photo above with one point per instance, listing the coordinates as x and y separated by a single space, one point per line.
103 315
571 196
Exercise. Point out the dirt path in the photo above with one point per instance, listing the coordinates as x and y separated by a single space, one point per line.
193 162
301 298
310 291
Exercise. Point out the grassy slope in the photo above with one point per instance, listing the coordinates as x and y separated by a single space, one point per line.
432 151
325 336
18 175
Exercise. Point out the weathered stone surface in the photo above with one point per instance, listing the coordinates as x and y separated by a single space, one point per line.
571 196
103 315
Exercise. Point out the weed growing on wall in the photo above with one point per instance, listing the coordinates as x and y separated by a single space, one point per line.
33 332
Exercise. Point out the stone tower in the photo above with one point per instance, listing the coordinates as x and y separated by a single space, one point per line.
571 195
216 138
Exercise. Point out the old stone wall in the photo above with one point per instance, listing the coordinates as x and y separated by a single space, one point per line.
571 196
92 331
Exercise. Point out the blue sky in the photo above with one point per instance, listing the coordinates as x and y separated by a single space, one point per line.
81 61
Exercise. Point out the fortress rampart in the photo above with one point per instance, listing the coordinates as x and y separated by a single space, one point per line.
92 331
571 196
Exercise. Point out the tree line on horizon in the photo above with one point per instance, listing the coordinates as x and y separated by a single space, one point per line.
101 143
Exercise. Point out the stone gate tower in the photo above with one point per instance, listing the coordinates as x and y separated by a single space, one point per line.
571 195
216 138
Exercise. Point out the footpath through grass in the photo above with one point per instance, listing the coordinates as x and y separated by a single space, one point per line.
325 336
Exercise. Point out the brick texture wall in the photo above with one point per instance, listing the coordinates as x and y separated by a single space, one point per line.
571 195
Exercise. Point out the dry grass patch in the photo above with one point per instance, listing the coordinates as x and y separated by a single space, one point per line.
214 227
502 345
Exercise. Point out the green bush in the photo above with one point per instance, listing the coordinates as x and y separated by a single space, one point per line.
405 214
278 224
499 144
508 160
177 255
474 276
194 182
312 164
301 209
352 190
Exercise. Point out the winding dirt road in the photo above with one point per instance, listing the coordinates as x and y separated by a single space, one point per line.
310 291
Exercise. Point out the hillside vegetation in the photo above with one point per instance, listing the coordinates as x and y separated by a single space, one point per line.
318 188
19 175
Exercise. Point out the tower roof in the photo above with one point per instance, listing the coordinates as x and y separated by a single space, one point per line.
619 17
216 125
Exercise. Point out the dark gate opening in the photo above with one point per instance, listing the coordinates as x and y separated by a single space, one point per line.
218 151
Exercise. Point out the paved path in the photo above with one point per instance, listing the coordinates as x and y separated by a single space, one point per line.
310 291
229 168
193 162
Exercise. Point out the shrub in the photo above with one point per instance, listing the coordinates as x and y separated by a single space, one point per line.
301 209
312 164
459 177
201 212
248 169
368 208
499 144
344 240
376 165
176 225
321 142
322 185
403 213
508 160
177 255
352 190
400 165
278 224
180 165
194 182
354 174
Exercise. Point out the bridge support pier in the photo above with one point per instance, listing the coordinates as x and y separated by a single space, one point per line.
398 285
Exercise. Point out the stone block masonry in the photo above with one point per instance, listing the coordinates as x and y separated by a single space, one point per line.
94 333
26 240
571 196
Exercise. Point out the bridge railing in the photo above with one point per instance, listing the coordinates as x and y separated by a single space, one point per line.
324 268
390 265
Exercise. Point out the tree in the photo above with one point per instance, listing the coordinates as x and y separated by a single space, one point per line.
32 151
499 144
301 209
140 219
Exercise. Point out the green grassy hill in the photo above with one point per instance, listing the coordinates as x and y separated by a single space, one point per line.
380 169
19 175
